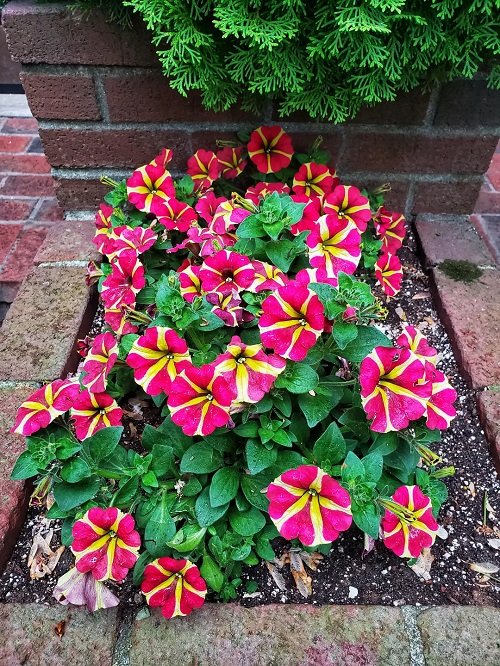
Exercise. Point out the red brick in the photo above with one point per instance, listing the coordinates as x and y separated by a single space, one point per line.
69 241
417 154
10 209
13 144
61 96
494 171
79 194
488 203
445 197
23 163
28 186
20 125
394 199
467 104
452 238
488 227
471 314
54 34
20 260
488 403
8 234
49 211
13 495
112 147
407 109
149 98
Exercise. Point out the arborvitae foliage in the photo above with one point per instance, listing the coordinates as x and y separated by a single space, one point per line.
323 57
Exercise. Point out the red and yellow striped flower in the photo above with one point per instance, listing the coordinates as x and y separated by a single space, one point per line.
163 158
231 161
117 320
190 283
175 214
307 504
226 271
249 369
267 277
390 228
228 307
157 358
256 193
99 362
227 217
412 339
204 168
394 388
207 204
199 400
150 185
103 226
334 245
44 405
175 586
408 524
310 214
127 239
209 241
314 180
389 273
440 410
347 201
293 319
94 411
124 282
105 543
270 149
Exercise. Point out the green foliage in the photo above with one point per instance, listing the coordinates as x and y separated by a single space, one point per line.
461 271
325 58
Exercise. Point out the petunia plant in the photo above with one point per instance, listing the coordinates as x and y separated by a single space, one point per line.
241 305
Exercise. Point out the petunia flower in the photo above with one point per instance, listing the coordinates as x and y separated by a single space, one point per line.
204 168
247 367
389 274
231 161
411 338
157 358
347 201
103 226
82 589
45 405
440 410
293 319
199 400
270 149
175 214
334 245
267 277
209 241
176 586
257 192
124 282
190 283
310 214
93 273
307 504
226 271
314 180
394 388
227 217
228 307
127 239
390 228
105 543
149 185
207 204
163 158
94 411
117 320
99 362
408 525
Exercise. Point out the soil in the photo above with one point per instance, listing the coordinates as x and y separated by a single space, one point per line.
345 576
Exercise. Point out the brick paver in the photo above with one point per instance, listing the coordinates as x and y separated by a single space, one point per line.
486 216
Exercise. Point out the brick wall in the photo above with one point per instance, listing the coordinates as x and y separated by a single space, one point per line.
104 107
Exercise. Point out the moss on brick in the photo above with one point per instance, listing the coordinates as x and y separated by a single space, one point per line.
460 271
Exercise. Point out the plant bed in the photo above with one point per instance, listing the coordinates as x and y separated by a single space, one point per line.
345 575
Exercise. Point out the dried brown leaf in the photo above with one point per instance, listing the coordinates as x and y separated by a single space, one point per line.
276 576
311 560
421 295
422 566
494 543
60 628
401 313
303 582
487 568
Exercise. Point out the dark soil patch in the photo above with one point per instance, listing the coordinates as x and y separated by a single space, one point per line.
344 576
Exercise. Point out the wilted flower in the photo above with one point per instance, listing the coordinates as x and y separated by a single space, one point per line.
82 589
99 361
440 410
103 226
44 405
390 228
307 504
228 307
128 239
256 193
207 204
94 411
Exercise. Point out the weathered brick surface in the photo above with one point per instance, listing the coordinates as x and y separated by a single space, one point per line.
28 186
69 241
29 636
13 494
19 125
489 228
79 193
13 144
111 147
229 635
408 109
14 163
471 313
450 238
20 259
446 197
40 329
49 211
460 636
62 96
69 38
10 209
488 202
8 234
489 411
468 104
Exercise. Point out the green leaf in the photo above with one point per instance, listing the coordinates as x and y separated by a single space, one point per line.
211 573
344 333
367 339
282 252
70 495
252 487
384 443
201 458
353 469
163 460
224 486
317 407
206 514
297 378
330 448
159 529
373 464
75 470
25 467
174 437
127 493
138 572
102 444
251 227
248 522
248 429
259 457
367 518
187 538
